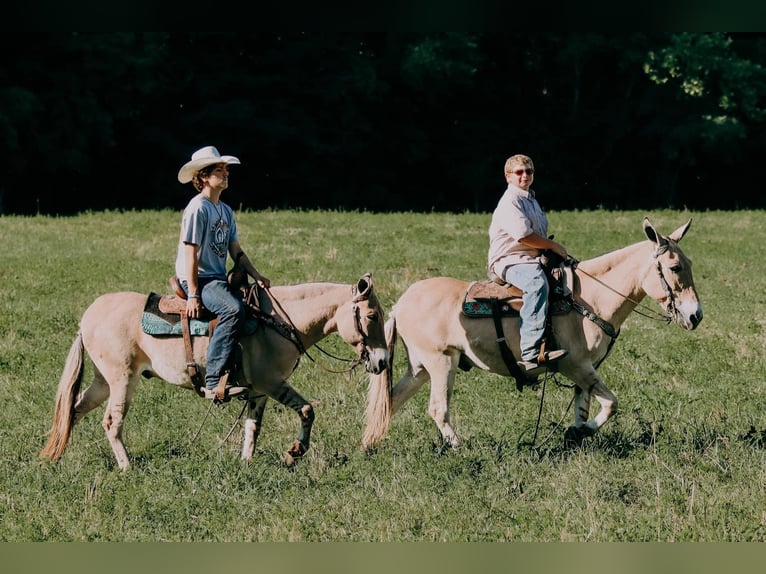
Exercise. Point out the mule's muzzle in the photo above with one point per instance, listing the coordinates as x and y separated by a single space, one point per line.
695 319
689 316
376 361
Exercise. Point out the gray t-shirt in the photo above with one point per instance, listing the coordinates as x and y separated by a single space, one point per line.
213 228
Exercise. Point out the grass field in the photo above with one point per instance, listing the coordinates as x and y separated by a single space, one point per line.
683 460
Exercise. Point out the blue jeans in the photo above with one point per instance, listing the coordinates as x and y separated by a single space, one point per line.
217 298
530 278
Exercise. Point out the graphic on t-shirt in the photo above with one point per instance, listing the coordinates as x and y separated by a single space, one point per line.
219 235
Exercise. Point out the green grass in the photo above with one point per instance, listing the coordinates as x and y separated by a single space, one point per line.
683 460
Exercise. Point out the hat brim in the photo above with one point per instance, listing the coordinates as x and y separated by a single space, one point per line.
186 173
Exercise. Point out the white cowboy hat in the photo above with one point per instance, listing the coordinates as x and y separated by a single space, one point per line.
202 158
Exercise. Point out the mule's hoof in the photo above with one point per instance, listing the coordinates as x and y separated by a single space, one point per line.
573 437
296 450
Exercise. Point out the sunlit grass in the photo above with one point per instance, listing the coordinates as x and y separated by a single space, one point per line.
683 460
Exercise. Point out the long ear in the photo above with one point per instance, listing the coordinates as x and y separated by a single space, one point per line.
678 234
651 232
363 287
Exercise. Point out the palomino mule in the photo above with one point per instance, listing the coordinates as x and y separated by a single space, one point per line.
121 353
439 338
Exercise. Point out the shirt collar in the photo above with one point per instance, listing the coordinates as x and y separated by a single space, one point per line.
518 191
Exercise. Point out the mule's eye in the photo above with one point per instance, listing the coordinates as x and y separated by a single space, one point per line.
373 317
676 268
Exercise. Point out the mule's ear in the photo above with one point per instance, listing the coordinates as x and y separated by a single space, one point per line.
651 232
678 234
363 287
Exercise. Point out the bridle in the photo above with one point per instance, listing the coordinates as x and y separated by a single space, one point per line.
289 331
364 353
670 308
640 308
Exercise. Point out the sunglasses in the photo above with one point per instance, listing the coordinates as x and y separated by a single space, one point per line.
520 172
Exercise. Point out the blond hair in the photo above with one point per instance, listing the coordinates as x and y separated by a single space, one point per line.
515 160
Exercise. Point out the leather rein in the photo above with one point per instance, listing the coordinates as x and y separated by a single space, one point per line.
650 313
295 338
607 327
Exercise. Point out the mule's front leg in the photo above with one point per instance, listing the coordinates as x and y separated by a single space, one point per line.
442 372
253 425
584 427
290 398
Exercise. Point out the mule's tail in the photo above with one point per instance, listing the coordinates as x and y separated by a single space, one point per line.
379 394
69 387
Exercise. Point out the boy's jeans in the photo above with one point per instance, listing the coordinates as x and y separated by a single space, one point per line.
217 298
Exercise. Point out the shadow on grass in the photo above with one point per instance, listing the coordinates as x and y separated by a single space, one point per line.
753 437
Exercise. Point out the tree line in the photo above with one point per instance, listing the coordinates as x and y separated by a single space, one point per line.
382 121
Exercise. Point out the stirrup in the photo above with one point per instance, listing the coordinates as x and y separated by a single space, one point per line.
224 395
224 392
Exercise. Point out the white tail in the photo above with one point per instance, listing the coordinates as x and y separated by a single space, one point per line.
69 387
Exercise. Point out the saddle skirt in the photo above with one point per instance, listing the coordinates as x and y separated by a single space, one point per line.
478 299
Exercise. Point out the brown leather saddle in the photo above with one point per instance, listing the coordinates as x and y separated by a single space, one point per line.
482 297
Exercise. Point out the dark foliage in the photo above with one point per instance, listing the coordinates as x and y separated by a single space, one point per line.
382 121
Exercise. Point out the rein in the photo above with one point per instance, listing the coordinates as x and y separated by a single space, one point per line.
650 314
302 349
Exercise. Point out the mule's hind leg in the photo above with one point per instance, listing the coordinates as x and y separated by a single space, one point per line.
584 427
93 396
253 425
290 398
407 386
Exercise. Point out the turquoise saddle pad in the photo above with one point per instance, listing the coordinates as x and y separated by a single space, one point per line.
155 325
155 322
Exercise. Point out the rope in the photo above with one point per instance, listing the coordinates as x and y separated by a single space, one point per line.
207 414
236 422
607 327
532 444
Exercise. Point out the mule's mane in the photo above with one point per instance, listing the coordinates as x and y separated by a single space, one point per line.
311 301
309 290
602 264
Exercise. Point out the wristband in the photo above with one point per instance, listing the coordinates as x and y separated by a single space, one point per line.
193 296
